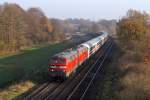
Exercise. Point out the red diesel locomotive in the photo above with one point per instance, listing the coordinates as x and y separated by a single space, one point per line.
66 62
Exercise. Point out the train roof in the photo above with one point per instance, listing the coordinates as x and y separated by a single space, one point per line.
73 51
67 53
92 42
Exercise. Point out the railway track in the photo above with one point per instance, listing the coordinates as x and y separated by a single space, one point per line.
77 89
62 91
80 91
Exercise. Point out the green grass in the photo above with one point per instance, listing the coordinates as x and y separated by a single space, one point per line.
16 67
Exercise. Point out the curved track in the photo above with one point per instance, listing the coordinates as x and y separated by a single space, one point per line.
71 88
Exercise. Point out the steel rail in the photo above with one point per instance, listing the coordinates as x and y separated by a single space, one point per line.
75 89
52 97
82 97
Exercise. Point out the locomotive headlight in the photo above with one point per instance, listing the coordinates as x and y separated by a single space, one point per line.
64 70
51 70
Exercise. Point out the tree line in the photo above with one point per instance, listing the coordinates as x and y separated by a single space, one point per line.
21 28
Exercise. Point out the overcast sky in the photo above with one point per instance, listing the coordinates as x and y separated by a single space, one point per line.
89 9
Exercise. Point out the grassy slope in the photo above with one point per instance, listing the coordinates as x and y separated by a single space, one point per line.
124 79
25 64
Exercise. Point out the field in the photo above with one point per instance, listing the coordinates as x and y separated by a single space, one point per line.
27 69
28 63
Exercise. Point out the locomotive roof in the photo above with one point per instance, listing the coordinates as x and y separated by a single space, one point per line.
67 53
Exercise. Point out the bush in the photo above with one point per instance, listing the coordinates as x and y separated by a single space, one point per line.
134 34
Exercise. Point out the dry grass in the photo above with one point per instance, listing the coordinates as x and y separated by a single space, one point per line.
125 78
136 81
15 90
5 53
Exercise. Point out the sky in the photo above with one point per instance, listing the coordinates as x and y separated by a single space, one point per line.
88 9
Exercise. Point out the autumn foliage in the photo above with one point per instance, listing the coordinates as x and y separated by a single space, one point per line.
134 34
20 28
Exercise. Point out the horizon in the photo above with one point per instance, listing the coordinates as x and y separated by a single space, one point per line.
85 9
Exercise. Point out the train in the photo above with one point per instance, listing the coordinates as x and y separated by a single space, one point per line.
63 64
